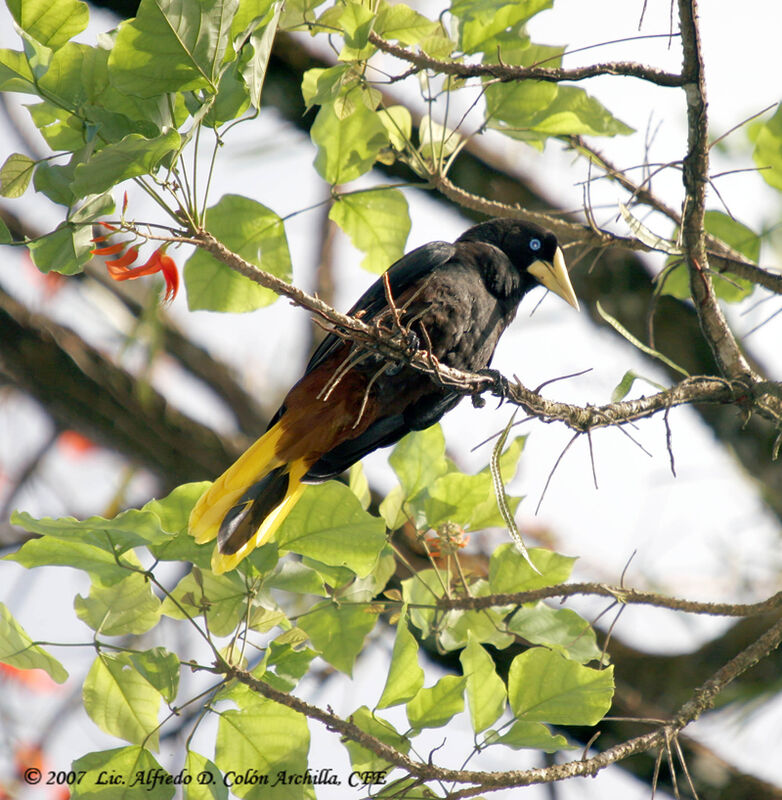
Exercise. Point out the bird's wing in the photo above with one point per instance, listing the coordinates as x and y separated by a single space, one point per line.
401 275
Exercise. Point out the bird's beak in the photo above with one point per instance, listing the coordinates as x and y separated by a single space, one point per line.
553 275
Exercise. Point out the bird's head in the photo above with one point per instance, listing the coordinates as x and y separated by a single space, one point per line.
530 249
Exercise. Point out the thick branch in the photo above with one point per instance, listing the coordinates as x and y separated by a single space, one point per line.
696 177
618 593
506 72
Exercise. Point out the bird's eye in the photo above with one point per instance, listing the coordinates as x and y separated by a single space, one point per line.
534 244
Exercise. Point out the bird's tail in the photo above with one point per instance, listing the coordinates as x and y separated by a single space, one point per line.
244 507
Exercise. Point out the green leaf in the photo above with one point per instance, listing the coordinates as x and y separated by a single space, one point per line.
509 572
293 576
328 524
418 459
347 148
128 606
559 628
436 141
51 24
421 593
401 23
173 513
544 686
767 138
338 632
5 234
377 223
211 786
120 701
160 667
123 762
132 156
487 625
356 22
727 286
628 379
18 650
322 86
61 130
172 46
261 41
255 233
485 689
364 760
222 597
289 664
359 485
532 735
434 707
65 250
481 20
129 529
15 175
271 739
99 563
541 109
15 73
405 676
398 124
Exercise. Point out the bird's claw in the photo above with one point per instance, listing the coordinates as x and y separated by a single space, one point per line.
500 385
412 345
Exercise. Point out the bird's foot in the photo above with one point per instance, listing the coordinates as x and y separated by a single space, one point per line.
412 344
500 386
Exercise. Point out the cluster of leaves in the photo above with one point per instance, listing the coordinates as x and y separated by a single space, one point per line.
338 586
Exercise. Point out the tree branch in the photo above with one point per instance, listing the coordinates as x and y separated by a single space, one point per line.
506 72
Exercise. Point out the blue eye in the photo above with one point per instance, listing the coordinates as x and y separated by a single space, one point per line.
535 244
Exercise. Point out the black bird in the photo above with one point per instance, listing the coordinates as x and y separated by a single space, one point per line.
454 300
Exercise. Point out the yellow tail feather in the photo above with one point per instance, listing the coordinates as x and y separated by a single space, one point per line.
223 563
217 501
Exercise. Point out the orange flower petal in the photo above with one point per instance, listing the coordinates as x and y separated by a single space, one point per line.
124 261
111 250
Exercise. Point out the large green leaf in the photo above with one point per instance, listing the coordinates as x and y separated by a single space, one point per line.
544 686
15 175
481 20
65 250
532 735
172 46
211 787
435 706
223 598
405 676
160 667
560 628
377 223
767 137
120 701
128 606
399 22
117 535
728 287
329 524
485 689
419 459
51 24
255 233
347 147
131 156
98 770
270 739
18 650
98 562
338 631
510 572
363 760
15 73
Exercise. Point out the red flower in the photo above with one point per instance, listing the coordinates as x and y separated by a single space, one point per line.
75 443
158 262
36 680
